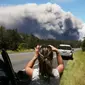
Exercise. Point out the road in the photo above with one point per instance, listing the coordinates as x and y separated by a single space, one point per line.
19 60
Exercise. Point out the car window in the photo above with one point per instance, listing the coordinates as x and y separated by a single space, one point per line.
64 47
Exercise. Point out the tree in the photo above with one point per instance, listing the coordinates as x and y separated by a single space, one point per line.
14 39
3 38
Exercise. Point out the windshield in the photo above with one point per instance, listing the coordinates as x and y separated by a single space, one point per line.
64 47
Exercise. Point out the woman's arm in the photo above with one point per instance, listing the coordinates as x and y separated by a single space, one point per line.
60 66
29 67
31 63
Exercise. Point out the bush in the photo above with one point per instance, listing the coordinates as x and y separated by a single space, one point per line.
22 46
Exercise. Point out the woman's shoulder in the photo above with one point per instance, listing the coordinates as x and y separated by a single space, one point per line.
37 81
35 74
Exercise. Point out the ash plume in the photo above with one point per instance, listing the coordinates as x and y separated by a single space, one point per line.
44 21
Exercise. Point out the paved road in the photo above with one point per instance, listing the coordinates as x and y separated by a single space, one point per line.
19 60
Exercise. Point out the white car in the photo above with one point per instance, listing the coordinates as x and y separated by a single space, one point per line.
66 50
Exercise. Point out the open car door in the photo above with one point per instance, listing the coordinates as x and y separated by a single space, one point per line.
19 78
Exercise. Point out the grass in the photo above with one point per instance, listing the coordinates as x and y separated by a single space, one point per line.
74 73
19 51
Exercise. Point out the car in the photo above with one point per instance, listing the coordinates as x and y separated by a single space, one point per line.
7 74
66 50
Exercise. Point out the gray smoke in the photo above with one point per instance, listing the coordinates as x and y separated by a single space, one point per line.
44 21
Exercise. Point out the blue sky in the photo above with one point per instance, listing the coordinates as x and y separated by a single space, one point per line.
76 7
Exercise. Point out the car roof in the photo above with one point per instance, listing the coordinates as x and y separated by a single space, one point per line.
65 45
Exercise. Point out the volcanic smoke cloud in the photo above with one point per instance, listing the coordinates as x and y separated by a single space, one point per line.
44 21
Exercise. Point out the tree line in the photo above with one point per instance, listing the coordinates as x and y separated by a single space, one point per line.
11 39
83 45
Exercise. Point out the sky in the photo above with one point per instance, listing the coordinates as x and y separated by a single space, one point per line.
56 19
76 7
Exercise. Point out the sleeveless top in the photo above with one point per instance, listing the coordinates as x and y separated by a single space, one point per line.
36 80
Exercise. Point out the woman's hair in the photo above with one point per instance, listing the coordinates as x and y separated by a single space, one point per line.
45 61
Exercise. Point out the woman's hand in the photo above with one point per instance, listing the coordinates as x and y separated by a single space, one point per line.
37 51
53 48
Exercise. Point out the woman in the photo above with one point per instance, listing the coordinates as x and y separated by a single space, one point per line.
45 74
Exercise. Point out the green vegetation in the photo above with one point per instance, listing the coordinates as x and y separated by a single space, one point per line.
74 73
11 39
83 45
